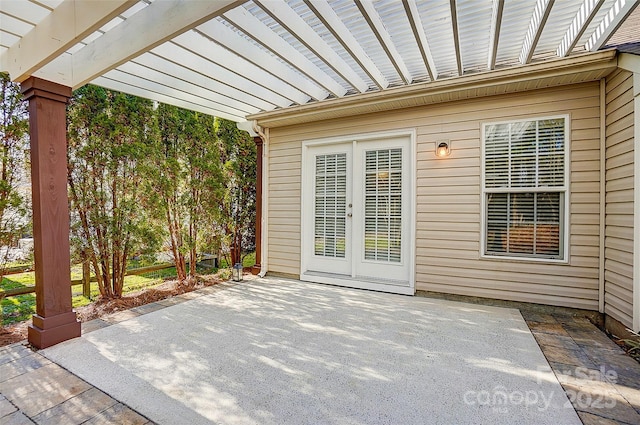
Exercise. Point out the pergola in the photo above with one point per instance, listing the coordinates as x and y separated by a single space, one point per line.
238 59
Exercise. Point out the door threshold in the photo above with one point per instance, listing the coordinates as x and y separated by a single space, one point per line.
360 282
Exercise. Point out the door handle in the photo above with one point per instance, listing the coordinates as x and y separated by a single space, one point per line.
349 214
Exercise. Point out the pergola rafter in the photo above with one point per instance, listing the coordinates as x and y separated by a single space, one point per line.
536 26
243 69
109 83
370 14
141 33
153 86
231 106
332 21
296 26
224 75
272 55
612 21
421 37
252 27
456 35
202 80
579 25
496 25
234 42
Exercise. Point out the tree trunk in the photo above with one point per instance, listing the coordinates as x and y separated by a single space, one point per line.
181 272
192 250
236 250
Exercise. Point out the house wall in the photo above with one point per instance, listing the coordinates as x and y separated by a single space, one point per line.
619 199
448 196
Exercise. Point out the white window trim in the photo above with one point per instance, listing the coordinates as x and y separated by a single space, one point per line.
566 189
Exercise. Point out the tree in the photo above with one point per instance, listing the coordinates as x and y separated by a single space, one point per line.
238 154
108 145
187 180
14 183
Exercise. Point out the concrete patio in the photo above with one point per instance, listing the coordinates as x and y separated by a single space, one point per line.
281 351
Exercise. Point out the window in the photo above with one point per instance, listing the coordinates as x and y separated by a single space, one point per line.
330 201
525 188
383 205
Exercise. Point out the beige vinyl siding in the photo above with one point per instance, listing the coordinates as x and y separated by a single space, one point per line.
284 164
448 195
619 199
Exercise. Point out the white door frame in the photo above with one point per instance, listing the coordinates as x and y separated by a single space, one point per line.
409 167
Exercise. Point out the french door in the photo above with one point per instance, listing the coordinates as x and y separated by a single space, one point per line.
357 214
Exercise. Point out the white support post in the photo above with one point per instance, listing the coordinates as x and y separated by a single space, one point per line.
602 197
632 63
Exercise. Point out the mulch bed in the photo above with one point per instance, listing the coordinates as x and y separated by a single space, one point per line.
18 331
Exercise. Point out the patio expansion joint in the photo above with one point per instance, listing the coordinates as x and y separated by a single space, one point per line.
8 409
21 401
23 360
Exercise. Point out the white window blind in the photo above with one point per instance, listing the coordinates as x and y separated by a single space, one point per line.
525 188
330 202
383 205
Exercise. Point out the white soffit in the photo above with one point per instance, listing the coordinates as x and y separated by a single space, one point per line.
237 58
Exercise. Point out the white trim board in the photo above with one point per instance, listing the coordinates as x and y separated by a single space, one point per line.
636 202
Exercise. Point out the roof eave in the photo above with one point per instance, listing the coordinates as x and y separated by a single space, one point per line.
571 70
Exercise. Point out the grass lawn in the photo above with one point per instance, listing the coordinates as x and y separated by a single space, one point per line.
248 261
21 307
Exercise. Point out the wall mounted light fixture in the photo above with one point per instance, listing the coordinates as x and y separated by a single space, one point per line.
443 148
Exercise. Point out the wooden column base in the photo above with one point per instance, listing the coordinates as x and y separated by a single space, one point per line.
47 331
256 268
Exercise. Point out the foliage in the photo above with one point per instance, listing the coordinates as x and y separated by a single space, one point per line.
108 147
21 307
14 175
224 274
633 345
138 173
236 226
248 260
185 180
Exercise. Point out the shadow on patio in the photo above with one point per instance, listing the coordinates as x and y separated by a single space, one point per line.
281 351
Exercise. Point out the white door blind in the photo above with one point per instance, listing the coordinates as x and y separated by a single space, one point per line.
383 205
330 203
524 185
